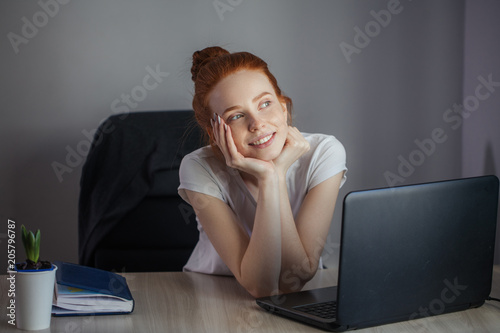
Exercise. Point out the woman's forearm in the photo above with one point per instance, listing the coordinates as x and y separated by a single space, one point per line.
297 266
260 266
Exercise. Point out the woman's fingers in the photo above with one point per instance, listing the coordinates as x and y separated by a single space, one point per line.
233 151
297 140
223 139
214 131
295 146
216 127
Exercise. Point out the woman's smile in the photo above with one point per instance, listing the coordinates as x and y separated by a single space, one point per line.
264 141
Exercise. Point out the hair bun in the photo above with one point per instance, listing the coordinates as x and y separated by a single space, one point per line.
201 58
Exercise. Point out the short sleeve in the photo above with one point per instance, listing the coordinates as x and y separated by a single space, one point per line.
329 159
195 175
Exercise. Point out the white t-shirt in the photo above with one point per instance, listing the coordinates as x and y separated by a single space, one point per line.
201 171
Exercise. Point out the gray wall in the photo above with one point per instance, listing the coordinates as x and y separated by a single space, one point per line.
481 123
65 68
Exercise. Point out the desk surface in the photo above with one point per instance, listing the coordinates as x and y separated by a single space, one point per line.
191 302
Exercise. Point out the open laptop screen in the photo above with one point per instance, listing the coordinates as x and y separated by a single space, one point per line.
415 251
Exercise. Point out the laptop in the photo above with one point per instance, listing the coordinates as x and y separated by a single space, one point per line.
406 252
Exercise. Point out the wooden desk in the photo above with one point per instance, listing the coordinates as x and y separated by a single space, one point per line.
191 302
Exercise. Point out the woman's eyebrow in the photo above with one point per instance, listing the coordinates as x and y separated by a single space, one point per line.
253 101
260 96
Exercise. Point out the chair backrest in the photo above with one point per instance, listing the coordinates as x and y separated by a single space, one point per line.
130 215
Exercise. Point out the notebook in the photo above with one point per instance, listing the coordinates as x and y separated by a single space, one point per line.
81 290
406 252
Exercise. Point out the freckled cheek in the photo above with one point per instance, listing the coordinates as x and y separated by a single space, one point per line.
278 121
238 142
284 129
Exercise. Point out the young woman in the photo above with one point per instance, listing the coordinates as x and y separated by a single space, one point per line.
263 193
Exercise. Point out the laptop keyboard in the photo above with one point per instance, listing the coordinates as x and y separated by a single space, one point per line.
326 310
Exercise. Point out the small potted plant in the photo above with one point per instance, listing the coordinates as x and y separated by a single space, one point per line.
31 243
34 285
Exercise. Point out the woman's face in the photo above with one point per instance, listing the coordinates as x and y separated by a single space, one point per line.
247 102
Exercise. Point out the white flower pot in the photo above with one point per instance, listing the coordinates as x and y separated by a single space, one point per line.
34 293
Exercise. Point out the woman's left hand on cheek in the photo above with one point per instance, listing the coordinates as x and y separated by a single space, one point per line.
234 159
295 146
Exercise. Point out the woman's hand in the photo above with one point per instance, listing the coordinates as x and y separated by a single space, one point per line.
234 159
295 146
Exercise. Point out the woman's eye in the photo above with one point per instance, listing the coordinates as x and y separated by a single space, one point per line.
265 104
238 116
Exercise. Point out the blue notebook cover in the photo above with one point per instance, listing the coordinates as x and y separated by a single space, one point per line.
93 279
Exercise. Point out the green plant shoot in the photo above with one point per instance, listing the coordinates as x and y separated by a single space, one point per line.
31 243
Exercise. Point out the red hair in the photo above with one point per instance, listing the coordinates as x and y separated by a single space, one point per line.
210 66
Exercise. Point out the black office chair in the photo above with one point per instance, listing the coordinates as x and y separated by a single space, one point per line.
130 215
